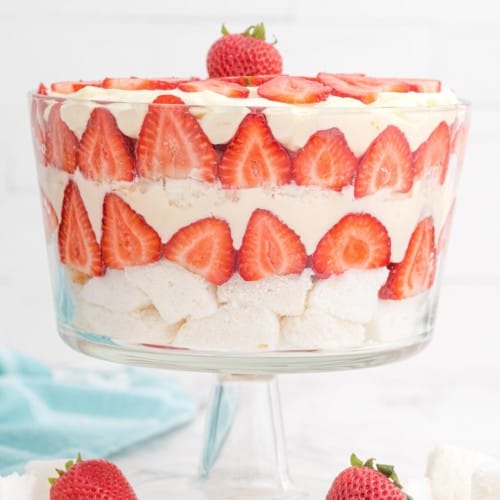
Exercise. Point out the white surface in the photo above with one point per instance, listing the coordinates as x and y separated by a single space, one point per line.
450 392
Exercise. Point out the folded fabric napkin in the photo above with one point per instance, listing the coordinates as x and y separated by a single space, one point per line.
48 414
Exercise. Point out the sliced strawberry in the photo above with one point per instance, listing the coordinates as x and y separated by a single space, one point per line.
293 90
269 247
341 88
73 86
42 89
131 83
105 154
78 247
415 273
422 84
376 84
386 164
357 241
248 81
444 234
432 156
326 160
205 247
50 220
171 82
172 143
254 157
127 239
62 144
229 89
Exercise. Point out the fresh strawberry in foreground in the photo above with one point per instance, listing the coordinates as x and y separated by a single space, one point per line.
387 164
415 273
367 481
91 479
62 144
127 239
269 247
357 241
229 89
105 153
432 156
254 157
243 54
172 144
205 247
294 90
326 160
78 247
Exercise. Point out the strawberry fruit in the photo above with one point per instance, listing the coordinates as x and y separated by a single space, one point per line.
104 153
367 481
127 239
254 157
90 479
78 247
62 144
326 160
205 247
243 54
269 247
415 273
172 144
229 89
357 241
294 90
73 86
387 164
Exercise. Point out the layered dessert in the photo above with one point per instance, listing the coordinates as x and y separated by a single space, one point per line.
256 213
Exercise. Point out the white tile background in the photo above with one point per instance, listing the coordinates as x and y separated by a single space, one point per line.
458 42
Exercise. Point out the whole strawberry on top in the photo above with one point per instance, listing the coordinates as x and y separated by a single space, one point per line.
90 480
367 481
243 54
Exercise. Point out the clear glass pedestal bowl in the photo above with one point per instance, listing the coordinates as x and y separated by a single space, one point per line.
247 241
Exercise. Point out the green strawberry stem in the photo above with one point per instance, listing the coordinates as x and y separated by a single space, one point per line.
257 31
67 467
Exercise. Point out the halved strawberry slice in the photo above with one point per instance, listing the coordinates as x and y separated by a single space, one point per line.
172 144
73 86
247 81
50 220
326 160
386 164
254 157
171 82
377 84
62 144
293 90
342 88
42 89
357 241
415 273
269 247
205 247
78 247
127 239
129 83
432 156
105 154
229 89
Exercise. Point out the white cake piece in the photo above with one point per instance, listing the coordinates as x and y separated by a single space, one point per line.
142 325
114 291
41 470
231 328
176 293
284 295
486 482
317 329
351 295
419 489
19 487
396 319
450 471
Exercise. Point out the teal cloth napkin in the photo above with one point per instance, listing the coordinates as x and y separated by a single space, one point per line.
47 414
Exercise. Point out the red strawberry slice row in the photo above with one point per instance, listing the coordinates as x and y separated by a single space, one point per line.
172 144
205 247
269 248
105 154
376 84
248 80
432 156
415 273
357 241
73 86
387 164
326 160
294 90
78 247
254 157
62 144
127 239
342 88
136 83
50 219
229 89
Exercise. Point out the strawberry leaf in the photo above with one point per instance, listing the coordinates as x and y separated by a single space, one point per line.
355 461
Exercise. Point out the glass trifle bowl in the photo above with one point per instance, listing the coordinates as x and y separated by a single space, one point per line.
210 230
